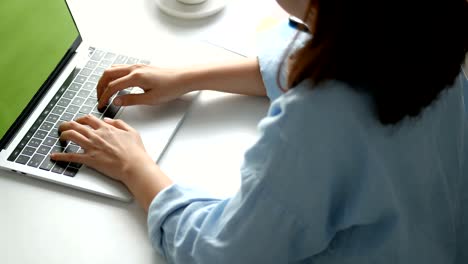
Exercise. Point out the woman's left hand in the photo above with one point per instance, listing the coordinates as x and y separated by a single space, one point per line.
115 149
110 146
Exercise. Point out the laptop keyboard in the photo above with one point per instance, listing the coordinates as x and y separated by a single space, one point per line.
70 102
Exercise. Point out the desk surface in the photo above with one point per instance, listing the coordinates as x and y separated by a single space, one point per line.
46 223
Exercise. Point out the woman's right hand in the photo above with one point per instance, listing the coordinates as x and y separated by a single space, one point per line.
160 85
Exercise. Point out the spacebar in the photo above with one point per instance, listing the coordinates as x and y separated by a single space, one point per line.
112 110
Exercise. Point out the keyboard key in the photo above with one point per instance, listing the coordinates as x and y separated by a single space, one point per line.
72 149
34 142
89 86
54 133
64 102
56 97
49 141
74 87
146 62
98 55
61 90
91 102
43 149
91 64
85 72
46 126
36 125
83 93
70 172
73 109
86 109
94 78
59 167
57 125
46 111
105 63
41 134
47 164
75 165
28 135
57 149
28 151
78 101
99 71
41 118
22 159
67 117
110 56
58 110
14 154
121 59
132 61
52 118
80 79
36 160
69 94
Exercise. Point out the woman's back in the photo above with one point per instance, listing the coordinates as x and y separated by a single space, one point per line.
391 193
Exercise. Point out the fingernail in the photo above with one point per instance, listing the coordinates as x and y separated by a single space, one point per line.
107 119
117 101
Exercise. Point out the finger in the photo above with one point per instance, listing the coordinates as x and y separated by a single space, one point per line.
133 99
72 135
109 75
69 157
115 86
72 125
118 123
91 121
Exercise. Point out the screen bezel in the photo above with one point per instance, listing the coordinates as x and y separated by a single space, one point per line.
45 87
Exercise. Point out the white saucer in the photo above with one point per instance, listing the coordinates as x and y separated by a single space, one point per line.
177 9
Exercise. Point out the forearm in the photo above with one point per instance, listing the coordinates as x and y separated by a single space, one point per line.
239 77
146 183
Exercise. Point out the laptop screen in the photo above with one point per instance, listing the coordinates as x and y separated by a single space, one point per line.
35 35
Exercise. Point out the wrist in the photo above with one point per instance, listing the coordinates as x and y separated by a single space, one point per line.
189 80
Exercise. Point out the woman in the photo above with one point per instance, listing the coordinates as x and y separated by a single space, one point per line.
361 156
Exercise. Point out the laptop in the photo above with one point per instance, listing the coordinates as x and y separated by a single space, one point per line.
48 76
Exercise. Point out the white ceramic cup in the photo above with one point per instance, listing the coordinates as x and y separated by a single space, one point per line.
191 2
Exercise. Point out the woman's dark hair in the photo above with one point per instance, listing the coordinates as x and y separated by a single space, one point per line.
402 52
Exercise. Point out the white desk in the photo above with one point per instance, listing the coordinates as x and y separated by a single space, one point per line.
42 222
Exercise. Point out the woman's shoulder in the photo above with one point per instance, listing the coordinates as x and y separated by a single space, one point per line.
332 106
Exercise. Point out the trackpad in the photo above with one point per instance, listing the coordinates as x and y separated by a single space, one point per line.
156 124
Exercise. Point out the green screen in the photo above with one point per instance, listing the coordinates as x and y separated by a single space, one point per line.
34 36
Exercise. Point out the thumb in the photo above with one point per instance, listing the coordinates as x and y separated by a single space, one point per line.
132 99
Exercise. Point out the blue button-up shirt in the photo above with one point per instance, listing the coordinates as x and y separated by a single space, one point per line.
326 182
